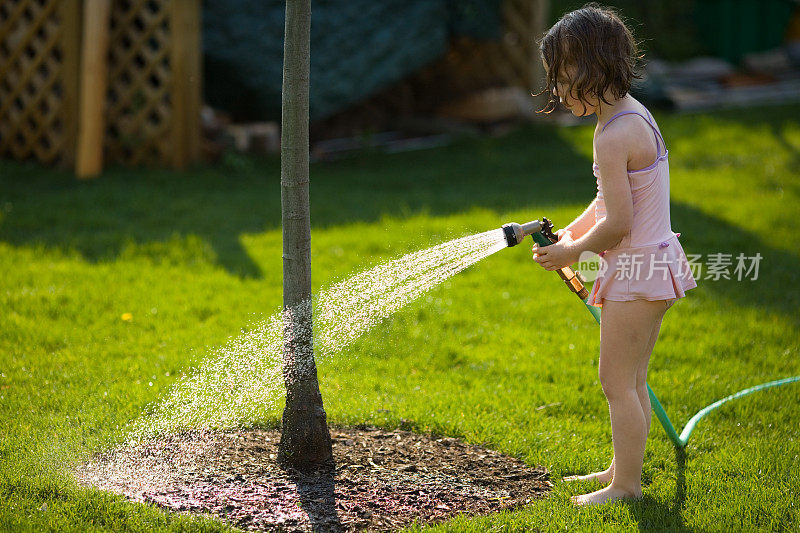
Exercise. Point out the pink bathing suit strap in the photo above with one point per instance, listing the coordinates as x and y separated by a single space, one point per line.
656 133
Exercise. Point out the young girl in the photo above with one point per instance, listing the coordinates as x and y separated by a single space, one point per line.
589 57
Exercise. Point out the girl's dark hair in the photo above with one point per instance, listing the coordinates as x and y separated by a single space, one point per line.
596 43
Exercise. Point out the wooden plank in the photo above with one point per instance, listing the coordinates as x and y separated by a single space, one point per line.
194 98
94 69
526 18
519 61
185 26
540 12
70 16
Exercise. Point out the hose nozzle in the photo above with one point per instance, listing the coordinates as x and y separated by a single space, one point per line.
515 233
542 231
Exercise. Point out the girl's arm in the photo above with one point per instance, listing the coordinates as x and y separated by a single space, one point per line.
583 223
612 159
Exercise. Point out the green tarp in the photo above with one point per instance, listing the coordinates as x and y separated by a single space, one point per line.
357 48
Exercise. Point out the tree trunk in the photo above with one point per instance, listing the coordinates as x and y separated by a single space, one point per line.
305 439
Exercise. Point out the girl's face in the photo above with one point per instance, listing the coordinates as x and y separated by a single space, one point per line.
577 107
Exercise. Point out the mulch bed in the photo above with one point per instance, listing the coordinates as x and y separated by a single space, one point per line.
383 480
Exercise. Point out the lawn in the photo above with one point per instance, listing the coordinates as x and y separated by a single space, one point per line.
110 288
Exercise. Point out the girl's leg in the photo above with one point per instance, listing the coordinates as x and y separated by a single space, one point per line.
606 475
626 340
641 375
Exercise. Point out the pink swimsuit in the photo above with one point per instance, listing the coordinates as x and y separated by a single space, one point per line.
649 262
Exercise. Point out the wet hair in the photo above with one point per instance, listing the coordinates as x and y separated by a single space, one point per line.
597 44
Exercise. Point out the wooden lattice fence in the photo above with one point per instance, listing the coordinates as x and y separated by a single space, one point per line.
39 47
151 66
513 60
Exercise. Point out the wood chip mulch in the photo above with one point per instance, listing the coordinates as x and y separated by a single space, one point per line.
383 480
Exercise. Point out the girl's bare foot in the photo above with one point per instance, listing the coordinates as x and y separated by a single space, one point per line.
603 477
608 494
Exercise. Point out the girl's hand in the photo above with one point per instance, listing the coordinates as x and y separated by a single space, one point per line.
557 255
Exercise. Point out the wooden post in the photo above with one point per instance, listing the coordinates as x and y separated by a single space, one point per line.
70 17
540 13
186 81
94 72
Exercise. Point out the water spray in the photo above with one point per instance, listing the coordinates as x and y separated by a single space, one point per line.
541 231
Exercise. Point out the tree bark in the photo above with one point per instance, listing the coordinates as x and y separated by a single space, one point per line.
305 439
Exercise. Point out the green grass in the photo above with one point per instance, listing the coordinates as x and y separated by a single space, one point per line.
501 354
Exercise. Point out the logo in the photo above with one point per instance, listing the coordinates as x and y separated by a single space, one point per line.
591 266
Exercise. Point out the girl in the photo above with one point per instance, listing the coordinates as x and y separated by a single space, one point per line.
589 57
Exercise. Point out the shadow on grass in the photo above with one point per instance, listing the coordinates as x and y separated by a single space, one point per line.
768 289
680 486
669 517
123 209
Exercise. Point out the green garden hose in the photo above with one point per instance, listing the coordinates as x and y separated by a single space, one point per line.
681 440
